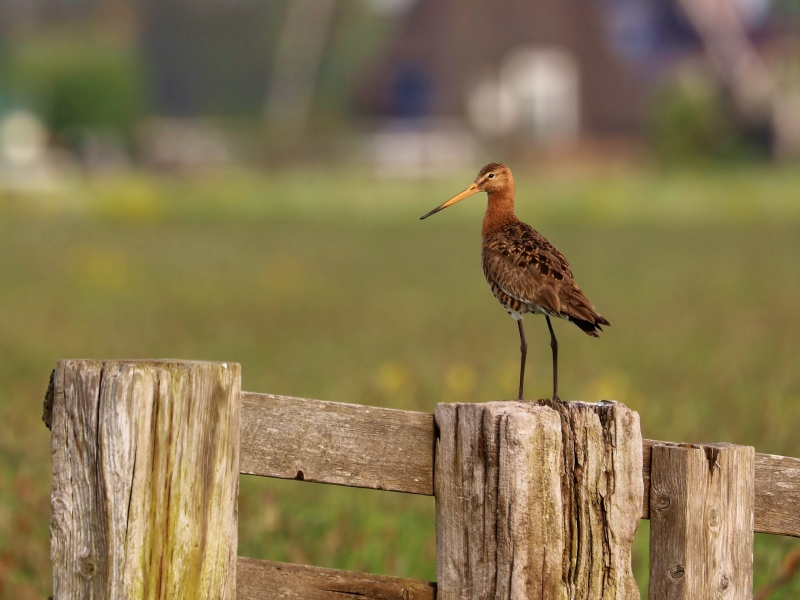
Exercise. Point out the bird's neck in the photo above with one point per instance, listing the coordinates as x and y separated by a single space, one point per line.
499 210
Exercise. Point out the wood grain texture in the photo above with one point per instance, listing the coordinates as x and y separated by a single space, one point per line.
331 442
499 531
359 446
777 495
145 479
267 580
603 488
777 492
534 502
701 525
647 449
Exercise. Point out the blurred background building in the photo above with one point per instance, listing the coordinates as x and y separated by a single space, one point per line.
407 85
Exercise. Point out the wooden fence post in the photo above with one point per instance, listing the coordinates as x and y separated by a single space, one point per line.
536 503
145 479
701 522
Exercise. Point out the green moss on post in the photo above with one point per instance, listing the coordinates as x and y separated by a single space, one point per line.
145 479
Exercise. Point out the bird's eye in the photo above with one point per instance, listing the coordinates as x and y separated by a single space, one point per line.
491 175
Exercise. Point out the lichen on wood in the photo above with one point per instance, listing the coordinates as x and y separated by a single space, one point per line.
145 479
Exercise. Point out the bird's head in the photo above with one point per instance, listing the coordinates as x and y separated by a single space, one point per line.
494 177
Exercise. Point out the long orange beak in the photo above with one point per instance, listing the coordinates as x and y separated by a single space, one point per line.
473 189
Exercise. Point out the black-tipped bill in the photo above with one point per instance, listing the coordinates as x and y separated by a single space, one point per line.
473 189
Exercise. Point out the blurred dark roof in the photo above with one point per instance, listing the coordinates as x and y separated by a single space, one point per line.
454 42
208 57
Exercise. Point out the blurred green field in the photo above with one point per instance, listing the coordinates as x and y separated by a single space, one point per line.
325 285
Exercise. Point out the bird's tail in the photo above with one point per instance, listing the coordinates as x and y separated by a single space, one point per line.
577 308
588 327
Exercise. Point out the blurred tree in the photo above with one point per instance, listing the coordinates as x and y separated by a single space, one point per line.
693 118
78 85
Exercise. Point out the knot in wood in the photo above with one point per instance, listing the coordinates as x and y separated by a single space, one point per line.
724 582
677 572
88 568
663 502
713 516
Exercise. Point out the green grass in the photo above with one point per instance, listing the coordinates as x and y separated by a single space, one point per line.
325 285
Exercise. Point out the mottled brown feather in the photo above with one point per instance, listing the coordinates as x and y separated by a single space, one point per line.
528 274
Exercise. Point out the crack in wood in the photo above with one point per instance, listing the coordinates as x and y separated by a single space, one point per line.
553 482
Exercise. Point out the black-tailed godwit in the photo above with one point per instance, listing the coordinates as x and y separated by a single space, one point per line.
526 273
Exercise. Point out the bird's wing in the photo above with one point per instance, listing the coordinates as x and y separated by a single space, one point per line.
523 264
521 279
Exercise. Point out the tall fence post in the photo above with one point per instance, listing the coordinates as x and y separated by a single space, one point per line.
701 522
145 479
536 502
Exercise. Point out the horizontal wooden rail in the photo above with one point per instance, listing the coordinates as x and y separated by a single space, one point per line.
387 449
343 444
267 580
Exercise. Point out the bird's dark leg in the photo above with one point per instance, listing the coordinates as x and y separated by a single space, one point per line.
554 346
523 348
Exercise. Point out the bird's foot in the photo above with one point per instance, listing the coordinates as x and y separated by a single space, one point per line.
552 402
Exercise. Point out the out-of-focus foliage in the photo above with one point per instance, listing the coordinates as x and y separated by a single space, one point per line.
692 119
787 7
731 195
77 84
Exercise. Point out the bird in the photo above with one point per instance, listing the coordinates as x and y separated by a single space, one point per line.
525 272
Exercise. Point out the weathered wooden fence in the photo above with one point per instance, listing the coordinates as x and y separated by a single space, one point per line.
533 501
